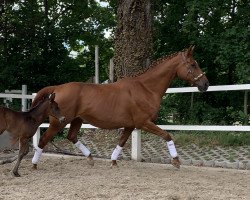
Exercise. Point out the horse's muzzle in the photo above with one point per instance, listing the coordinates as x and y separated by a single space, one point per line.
204 86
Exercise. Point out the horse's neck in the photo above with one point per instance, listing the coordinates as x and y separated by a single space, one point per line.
38 113
159 78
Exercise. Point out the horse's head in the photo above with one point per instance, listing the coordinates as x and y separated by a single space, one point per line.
189 70
54 109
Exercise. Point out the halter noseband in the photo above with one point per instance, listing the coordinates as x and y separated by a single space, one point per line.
199 76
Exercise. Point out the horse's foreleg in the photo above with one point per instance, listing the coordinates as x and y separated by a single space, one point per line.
152 128
123 139
23 150
75 126
46 137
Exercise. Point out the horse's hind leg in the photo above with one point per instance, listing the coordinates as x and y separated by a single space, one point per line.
152 128
23 150
75 126
54 128
122 141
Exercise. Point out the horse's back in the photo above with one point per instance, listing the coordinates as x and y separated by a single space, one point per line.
95 103
64 92
71 97
103 105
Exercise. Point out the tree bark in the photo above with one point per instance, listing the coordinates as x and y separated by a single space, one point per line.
133 37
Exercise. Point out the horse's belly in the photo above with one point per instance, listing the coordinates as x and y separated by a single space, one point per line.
108 122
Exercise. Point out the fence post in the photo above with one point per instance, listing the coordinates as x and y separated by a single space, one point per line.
36 137
96 64
24 100
192 101
111 70
136 145
245 107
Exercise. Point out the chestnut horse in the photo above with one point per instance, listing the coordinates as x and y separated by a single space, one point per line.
128 103
23 125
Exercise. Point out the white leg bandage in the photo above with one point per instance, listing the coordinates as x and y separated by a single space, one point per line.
37 155
172 149
83 149
116 152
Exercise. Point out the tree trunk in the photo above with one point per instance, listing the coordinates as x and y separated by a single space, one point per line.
133 37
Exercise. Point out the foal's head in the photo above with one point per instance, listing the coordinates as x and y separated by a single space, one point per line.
53 109
190 71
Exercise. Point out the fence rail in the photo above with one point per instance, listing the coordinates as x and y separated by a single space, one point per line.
216 88
136 136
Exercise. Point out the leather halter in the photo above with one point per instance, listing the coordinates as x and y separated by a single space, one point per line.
191 72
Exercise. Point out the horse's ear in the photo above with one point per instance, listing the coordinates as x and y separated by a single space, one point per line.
52 96
192 48
190 51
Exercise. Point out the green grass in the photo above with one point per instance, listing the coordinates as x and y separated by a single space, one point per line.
224 139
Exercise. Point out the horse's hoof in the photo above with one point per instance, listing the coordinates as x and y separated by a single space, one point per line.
176 162
113 164
34 167
16 174
90 160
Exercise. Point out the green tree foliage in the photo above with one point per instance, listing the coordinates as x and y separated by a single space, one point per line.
37 37
220 31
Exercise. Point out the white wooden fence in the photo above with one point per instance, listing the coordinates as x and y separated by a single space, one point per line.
136 135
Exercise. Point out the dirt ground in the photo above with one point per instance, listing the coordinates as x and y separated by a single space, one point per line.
71 178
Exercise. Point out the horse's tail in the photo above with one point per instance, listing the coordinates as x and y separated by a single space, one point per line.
41 94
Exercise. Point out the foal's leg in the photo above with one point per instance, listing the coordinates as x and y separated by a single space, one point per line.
75 126
151 127
54 128
23 150
123 139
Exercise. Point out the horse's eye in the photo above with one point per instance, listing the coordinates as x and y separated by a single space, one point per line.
193 65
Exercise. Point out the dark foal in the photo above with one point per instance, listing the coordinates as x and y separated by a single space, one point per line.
23 125
128 103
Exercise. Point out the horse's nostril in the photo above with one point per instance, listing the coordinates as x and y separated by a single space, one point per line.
206 85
